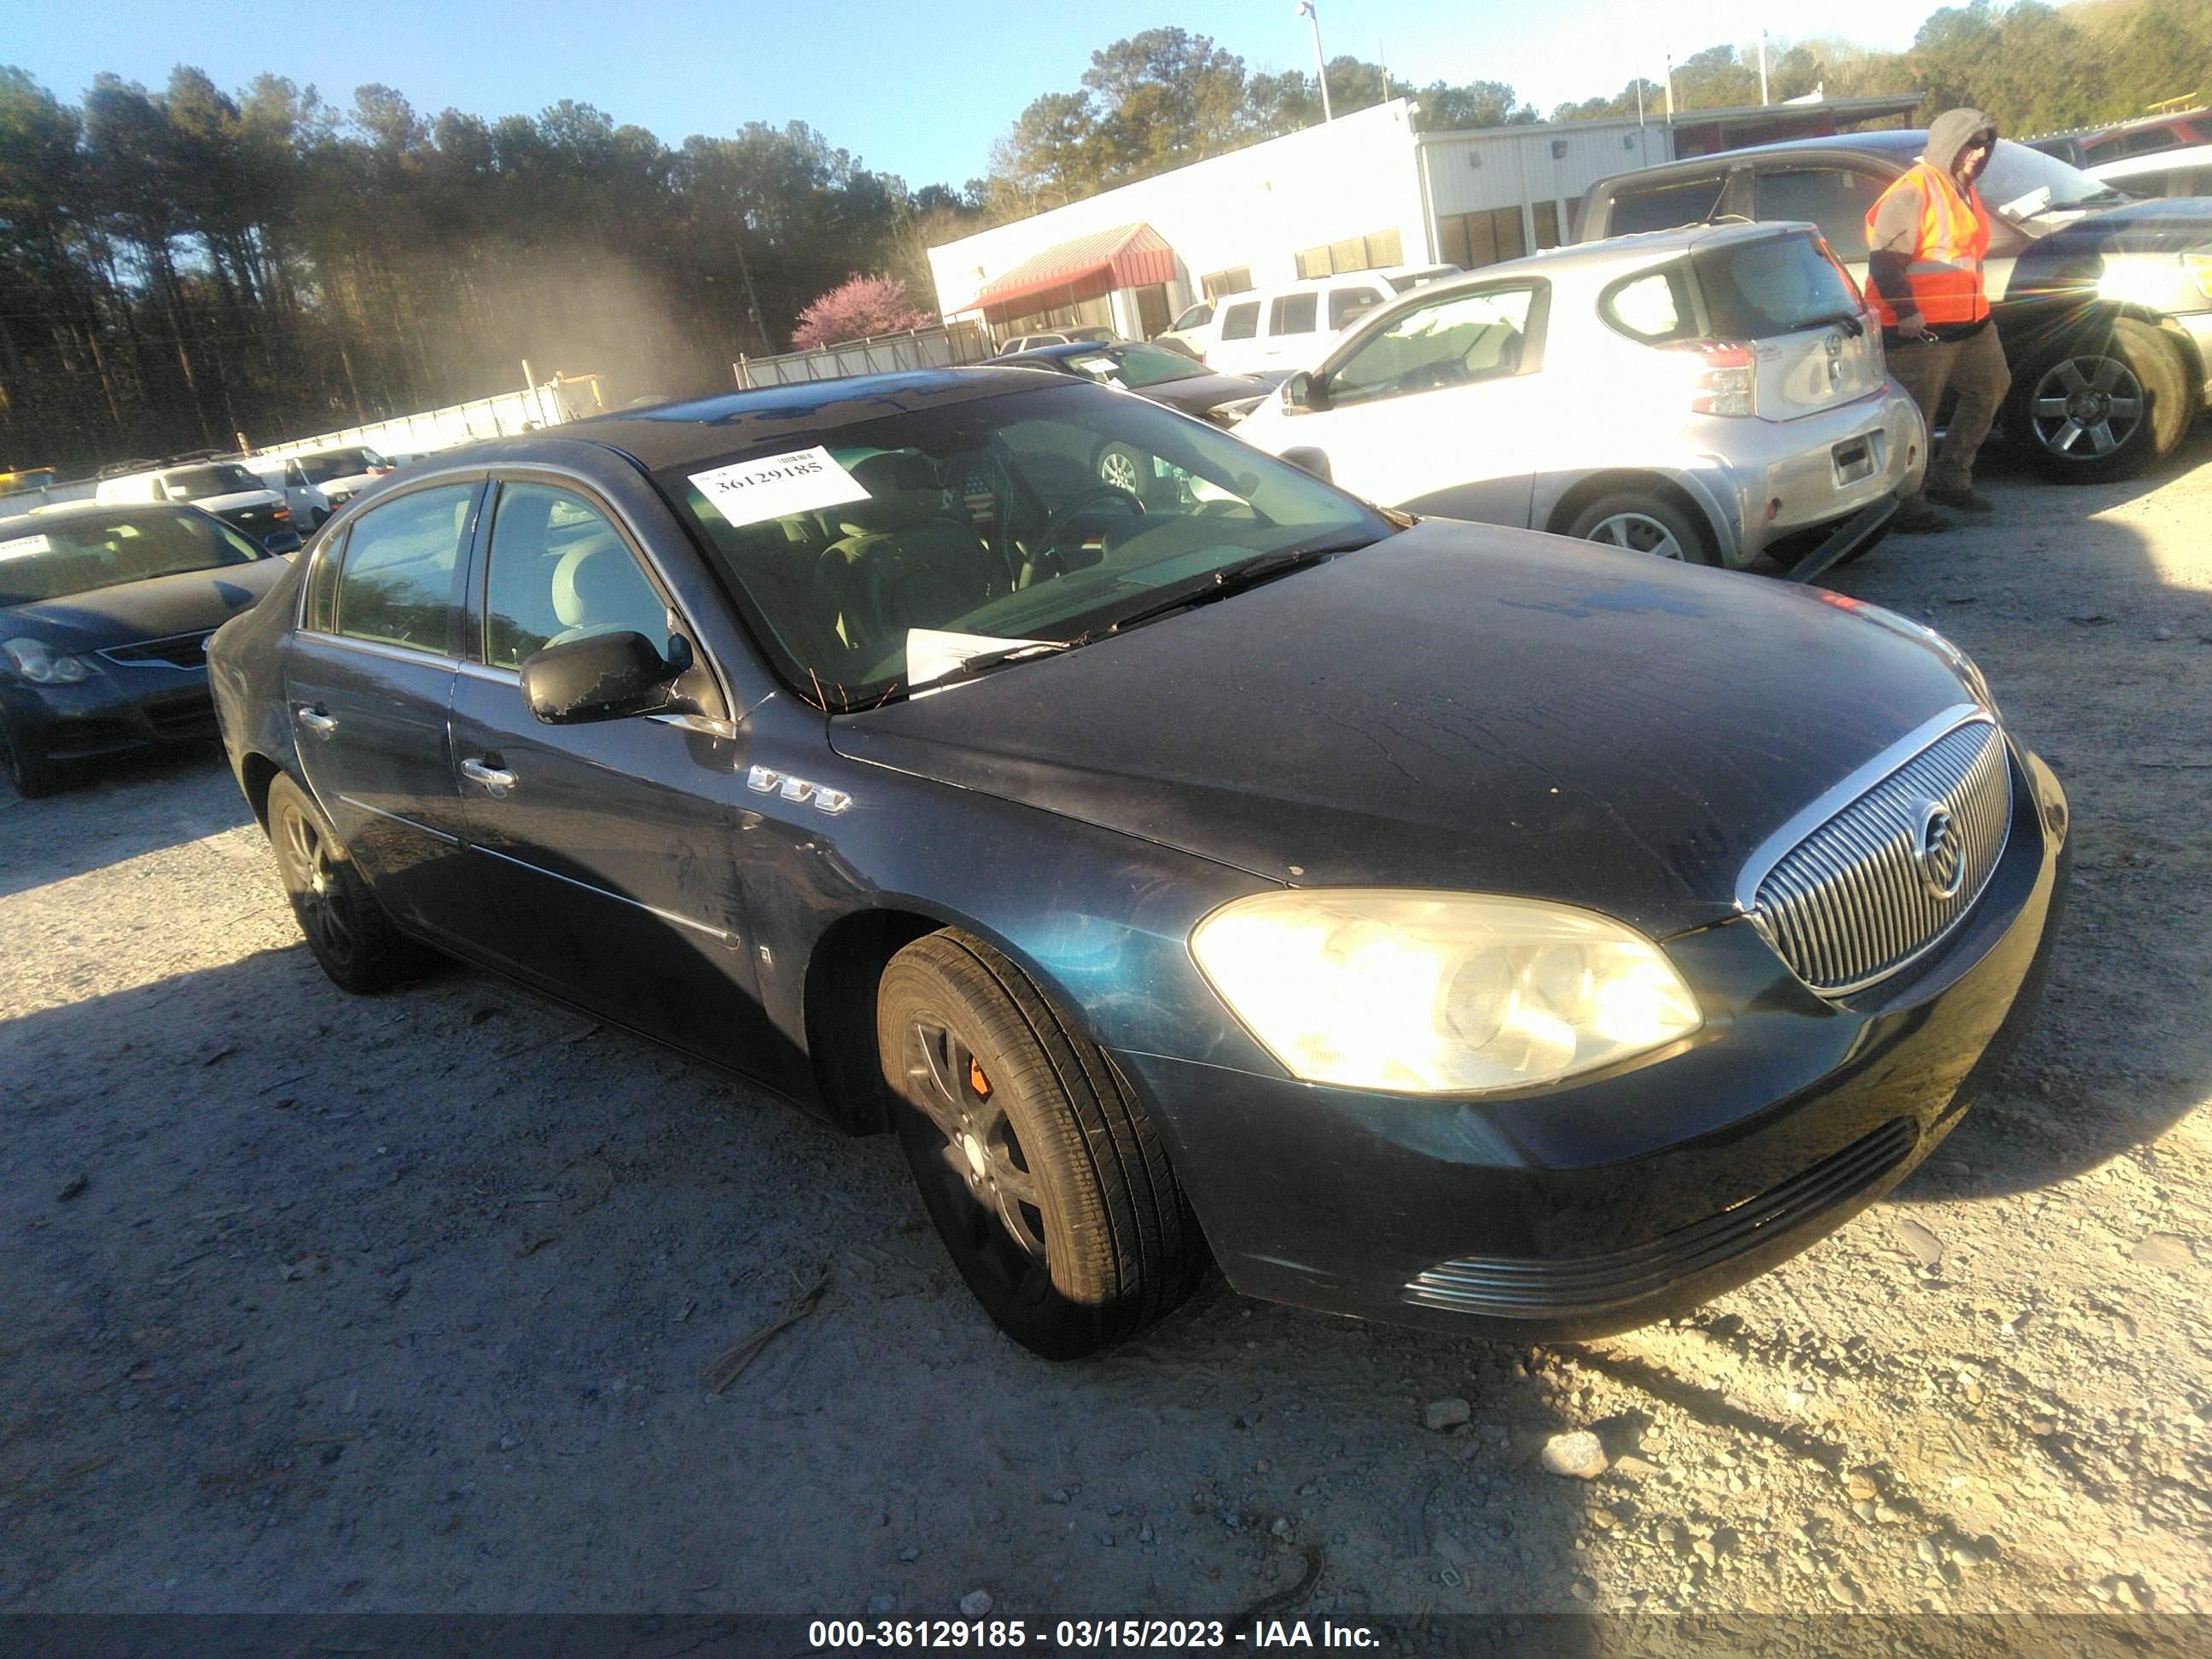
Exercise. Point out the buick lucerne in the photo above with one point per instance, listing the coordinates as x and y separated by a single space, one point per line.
1430 922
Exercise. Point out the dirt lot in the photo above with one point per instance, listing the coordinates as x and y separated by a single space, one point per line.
316 1302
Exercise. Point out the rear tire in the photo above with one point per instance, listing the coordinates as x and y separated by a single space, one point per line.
1039 1166
352 939
2096 411
1644 521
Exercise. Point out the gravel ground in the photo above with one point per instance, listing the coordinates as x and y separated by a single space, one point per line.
317 1302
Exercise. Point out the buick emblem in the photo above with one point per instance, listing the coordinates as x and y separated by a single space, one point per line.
1936 850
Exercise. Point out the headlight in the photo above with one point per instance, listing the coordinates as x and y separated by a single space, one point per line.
36 660
1427 993
2199 267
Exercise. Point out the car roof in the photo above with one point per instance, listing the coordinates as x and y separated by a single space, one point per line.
25 523
702 428
1635 248
1890 146
2157 161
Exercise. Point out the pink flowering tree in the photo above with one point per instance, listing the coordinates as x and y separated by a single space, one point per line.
856 308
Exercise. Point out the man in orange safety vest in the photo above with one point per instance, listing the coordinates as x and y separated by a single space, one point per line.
1926 238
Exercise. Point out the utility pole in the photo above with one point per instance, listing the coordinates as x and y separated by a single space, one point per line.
1305 10
1762 68
1670 89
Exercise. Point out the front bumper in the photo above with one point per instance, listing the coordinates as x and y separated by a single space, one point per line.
1607 1203
121 709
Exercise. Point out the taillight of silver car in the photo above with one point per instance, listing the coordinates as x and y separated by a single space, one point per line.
1726 381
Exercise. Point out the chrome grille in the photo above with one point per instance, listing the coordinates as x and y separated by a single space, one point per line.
1860 897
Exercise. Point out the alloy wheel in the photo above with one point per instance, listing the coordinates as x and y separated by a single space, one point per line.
317 890
2087 407
983 1160
1119 469
1638 532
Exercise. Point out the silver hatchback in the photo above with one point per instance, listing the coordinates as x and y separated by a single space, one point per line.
1707 394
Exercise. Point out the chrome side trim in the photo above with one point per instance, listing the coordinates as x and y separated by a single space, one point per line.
1779 845
406 653
412 824
555 875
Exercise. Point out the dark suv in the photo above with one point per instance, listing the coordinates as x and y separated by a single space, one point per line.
2103 304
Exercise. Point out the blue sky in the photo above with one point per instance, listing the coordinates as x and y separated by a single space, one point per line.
917 89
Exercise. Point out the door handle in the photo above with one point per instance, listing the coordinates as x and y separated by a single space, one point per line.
495 780
318 723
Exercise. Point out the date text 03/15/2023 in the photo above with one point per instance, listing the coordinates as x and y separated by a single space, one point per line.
1082 1635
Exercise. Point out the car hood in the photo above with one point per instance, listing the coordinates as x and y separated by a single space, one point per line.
237 498
2165 224
1204 392
1456 707
188 603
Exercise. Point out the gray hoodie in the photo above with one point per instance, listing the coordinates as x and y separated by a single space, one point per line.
1896 237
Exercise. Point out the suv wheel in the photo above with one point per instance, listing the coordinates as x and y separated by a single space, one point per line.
2097 411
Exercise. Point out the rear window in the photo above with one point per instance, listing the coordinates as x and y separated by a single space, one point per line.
1241 322
1775 285
192 483
1652 305
1347 305
1663 205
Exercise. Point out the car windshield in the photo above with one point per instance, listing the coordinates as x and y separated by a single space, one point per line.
873 557
192 483
51 557
1134 366
2021 182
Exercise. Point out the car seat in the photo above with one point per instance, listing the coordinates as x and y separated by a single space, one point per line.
597 589
902 560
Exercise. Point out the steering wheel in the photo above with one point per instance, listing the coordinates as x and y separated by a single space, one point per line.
1429 376
1066 514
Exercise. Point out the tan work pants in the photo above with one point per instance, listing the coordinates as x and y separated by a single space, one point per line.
1973 368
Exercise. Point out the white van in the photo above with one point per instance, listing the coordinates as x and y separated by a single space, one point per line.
317 484
222 488
1289 327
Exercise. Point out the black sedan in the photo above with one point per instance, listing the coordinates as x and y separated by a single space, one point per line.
1154 372
1425 921
105 614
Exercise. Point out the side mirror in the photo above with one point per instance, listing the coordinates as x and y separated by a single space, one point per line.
1311 459
281 541
1303 392
601 676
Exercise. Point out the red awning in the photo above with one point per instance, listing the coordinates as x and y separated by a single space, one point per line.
1129 256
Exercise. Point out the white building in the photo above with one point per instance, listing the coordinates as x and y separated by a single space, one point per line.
1363 191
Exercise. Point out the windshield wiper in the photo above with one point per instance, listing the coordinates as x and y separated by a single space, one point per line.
982 662
1237 578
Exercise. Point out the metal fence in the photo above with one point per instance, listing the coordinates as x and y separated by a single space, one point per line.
942 347
547 404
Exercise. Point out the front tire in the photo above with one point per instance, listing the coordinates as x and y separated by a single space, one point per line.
2096 412
1039 1166
1122 467
351 937
31 774
1644 521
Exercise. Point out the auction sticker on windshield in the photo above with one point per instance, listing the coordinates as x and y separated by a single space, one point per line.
24 546
775 485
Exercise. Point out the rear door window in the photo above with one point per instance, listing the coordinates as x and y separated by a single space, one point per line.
402 561
1653 306
1294 313
1838 199
1241 322
1663 204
